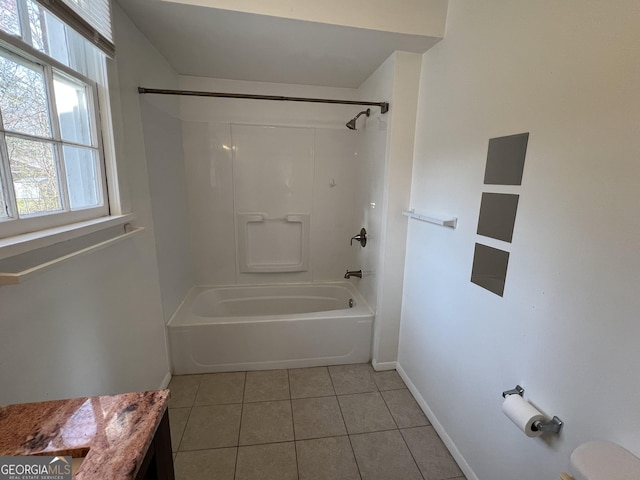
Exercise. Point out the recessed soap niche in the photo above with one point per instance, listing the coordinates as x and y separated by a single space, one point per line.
497 216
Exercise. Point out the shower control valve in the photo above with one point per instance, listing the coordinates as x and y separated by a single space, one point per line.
361 237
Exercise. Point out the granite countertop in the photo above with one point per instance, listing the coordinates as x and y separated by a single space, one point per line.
113 432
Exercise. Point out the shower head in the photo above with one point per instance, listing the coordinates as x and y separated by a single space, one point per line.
351 124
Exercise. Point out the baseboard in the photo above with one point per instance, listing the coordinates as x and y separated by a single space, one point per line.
380 366
165 381
446 439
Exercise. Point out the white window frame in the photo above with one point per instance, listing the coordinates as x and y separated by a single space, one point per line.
12 228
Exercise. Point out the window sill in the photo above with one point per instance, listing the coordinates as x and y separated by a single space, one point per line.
27 242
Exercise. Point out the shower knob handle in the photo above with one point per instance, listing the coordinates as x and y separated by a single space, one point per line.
361 237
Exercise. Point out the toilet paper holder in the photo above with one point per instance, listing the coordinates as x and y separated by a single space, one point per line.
554 425
518 390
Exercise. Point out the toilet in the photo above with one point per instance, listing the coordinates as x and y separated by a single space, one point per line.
600 460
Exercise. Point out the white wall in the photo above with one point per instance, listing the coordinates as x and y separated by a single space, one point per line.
372 137
168 190
567 327
417 17
151 130
209 170
94 324
385 163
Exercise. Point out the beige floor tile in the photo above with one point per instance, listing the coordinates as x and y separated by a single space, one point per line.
384 456
431 455
265 385
352 379
212 426
365 412
177 421
219 464
388 380
404 409
266 422
326 459
317 417
310 382
183 390
275 461
220 388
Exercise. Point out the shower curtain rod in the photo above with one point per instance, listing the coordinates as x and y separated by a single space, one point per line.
384 106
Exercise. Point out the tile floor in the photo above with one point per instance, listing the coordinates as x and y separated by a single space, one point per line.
344 422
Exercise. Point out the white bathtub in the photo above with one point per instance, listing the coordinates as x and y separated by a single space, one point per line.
269 326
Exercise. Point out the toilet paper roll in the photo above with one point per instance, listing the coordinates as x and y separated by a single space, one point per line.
523 414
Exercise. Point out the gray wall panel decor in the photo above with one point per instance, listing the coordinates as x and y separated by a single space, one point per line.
498 215
505 160
490 268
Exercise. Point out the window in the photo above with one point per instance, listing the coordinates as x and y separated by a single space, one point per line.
52 169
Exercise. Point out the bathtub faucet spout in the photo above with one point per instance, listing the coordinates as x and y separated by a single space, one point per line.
353 273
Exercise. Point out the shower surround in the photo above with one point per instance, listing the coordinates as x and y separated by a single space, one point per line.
272 207
273 189
263 177
274 192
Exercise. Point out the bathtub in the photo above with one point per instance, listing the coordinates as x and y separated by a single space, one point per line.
269 326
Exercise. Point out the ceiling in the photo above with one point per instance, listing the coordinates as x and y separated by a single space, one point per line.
209 42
